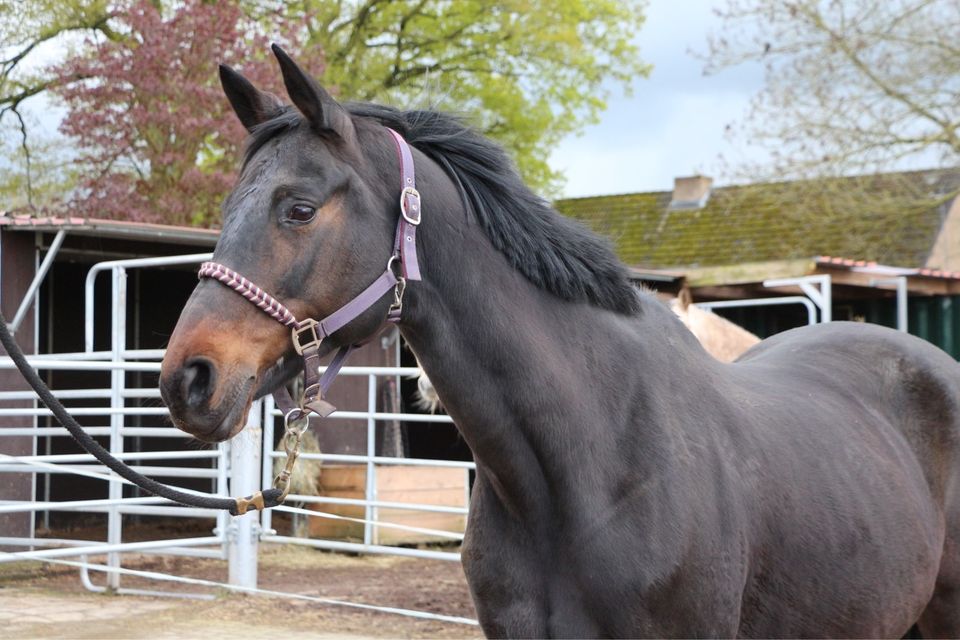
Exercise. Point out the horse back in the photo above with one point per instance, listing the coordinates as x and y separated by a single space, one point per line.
875 370
855 428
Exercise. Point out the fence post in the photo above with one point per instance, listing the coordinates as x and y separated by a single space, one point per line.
266 474
243 532
371 536
118 344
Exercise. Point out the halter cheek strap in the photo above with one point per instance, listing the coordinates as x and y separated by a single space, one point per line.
307 335
405 244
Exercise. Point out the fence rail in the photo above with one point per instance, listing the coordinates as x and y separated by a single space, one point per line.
235 468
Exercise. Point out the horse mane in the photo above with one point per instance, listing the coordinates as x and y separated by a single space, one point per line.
552 251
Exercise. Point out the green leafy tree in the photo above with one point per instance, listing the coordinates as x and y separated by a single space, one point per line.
34 171
526 72
24 30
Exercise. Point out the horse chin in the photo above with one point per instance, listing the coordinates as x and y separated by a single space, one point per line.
279 374
233 420
266 382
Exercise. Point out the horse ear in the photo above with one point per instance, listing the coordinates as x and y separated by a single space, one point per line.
251 105
318 107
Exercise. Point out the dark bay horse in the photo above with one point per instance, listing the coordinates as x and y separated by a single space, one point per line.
628 484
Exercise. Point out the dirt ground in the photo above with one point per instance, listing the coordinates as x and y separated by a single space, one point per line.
39 600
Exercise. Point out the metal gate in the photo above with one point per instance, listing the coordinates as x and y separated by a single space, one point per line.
238 467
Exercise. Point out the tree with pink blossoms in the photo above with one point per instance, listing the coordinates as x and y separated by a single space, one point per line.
157 139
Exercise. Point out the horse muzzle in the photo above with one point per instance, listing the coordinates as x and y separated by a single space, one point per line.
207 403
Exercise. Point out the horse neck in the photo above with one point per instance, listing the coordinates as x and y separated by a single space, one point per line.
521 371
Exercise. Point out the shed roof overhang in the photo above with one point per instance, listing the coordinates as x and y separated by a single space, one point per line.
113 229
850 278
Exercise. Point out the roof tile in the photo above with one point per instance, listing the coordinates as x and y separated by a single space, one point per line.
885 218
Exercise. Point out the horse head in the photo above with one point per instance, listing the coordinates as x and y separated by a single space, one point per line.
311 219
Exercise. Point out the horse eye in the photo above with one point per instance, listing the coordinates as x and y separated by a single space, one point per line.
301 213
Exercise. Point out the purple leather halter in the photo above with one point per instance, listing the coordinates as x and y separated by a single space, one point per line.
308 334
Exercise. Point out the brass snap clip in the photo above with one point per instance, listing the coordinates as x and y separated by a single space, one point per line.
397 306
295 422
398 290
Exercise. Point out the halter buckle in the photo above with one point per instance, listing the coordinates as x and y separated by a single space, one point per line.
412 196
306 336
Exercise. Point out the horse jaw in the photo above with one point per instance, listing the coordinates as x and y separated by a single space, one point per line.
284 370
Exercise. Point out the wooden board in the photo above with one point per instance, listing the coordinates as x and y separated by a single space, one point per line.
439 486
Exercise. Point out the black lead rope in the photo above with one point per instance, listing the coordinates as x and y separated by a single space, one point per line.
236 506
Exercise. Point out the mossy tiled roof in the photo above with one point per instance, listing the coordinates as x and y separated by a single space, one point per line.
889 218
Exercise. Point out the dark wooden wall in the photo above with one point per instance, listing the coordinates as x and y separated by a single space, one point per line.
16 273
349 393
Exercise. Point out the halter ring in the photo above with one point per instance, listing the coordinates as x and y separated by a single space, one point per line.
301 416
394 259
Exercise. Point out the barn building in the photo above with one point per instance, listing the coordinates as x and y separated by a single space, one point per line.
882 249
865 236
44 263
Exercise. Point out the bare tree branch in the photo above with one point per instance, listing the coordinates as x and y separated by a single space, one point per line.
26 154
859 85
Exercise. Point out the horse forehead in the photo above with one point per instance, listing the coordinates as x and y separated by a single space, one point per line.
282 159
275 165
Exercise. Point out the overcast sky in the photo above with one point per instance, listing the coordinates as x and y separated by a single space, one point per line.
673 125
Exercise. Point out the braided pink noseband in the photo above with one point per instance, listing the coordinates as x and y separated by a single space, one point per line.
264 301
309 333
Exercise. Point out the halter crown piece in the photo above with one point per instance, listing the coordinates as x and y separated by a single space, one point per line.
307 335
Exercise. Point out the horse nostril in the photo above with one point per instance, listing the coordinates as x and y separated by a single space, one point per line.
197 381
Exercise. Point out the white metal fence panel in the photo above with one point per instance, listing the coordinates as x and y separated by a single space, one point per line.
236 468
